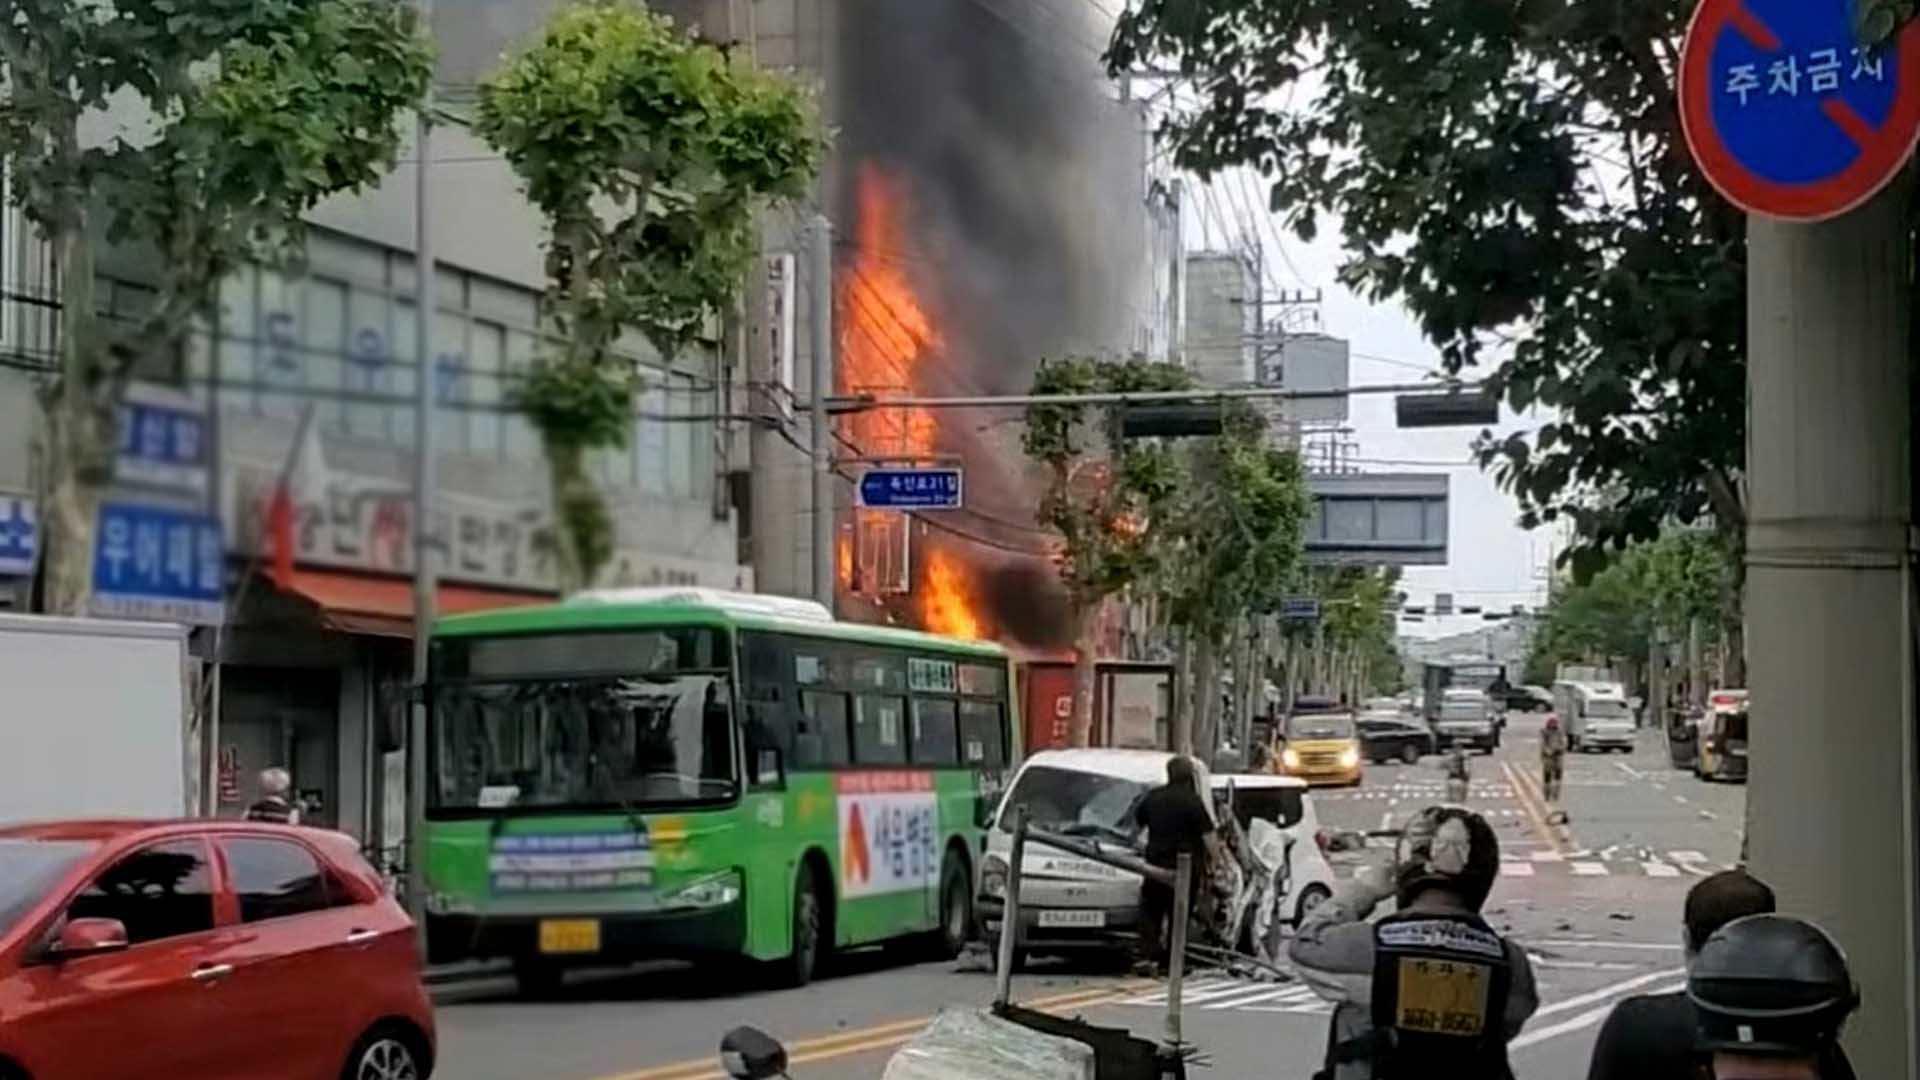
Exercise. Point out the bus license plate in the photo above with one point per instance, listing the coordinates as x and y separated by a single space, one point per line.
1073 918
570 935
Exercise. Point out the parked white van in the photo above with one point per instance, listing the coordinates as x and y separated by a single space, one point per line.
1067 902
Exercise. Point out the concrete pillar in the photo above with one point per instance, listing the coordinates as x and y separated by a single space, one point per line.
1829 611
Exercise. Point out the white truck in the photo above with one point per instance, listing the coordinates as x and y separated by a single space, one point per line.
95 719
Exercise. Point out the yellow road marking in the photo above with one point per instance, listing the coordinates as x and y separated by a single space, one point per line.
1531 800
862 1040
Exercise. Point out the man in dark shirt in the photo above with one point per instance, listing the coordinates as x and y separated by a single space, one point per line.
1176 820
1653 1036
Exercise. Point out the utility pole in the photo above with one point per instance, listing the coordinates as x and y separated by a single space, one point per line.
822 384
1177 278
1830 601
426 301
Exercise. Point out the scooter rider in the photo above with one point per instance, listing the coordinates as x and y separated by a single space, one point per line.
1429 990
1771 994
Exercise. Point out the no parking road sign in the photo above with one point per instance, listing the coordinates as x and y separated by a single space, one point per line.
1788 113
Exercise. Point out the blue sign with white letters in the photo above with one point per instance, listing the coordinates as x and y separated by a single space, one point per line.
152 562
162 447
19 534
1300 608
911 489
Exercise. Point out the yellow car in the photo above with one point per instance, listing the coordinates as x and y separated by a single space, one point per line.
1321 748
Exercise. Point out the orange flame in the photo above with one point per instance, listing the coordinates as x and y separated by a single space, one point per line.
945 606
885 333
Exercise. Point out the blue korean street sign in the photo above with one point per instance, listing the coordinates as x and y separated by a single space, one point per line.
911 489
1300 608
163 446
152 562
1789 113
19 534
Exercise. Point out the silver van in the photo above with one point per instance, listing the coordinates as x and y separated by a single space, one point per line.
1597 716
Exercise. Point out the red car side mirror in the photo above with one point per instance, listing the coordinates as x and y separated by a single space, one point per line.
89 937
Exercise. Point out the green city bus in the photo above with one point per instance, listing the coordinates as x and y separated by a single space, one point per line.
634 774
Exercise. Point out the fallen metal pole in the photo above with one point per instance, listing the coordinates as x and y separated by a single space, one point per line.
1177 947
1129 863
1010 913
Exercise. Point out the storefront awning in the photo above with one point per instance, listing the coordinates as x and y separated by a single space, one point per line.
383 607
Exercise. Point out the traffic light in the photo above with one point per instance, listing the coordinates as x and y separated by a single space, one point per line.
1470 407
1173 421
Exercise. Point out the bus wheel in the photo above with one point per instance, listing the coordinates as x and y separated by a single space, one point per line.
808 919
956 907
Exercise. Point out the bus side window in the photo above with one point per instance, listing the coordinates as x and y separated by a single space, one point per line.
822 740
935 741
982 735
769 743
879 730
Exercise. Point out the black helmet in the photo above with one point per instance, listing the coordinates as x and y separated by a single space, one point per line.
1447 847
1770 984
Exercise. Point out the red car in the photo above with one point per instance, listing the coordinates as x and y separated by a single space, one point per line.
203 949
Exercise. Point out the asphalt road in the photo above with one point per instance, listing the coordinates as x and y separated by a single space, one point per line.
1597 902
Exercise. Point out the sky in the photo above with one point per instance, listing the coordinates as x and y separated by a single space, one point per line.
1491 560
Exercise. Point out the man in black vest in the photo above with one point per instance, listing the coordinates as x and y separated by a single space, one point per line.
1429 990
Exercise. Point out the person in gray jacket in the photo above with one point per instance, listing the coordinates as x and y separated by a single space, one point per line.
1430 989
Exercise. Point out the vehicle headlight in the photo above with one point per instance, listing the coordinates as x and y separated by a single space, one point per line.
444 903
1349 758
1290 758
993 877
714 890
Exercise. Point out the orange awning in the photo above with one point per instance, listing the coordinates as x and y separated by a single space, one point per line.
383 606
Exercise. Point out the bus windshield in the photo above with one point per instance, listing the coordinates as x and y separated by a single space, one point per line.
520 723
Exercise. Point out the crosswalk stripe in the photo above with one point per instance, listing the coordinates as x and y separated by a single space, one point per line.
1655 868
1546 855
1261 994
1516 869
1589 869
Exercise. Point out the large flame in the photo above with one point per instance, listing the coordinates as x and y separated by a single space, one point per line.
885 334
945 603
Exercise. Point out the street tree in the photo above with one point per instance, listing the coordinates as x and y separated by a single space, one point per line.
1105 495
1651 592
1515 175
649 153
1350 649
237 118
1233 541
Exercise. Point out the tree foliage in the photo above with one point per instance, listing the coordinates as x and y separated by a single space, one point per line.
1231 544
1105 495
649 153
1356 629
1514 174
1654 588
255 111
1234 540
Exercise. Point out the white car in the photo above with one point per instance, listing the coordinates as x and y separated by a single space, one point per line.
1284 800
1068 902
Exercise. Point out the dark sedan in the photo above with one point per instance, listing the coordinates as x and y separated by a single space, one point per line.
1391 737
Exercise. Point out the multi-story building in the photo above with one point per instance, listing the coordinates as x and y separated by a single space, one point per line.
979 152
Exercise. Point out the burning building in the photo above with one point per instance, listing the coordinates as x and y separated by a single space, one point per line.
986 177
989 198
